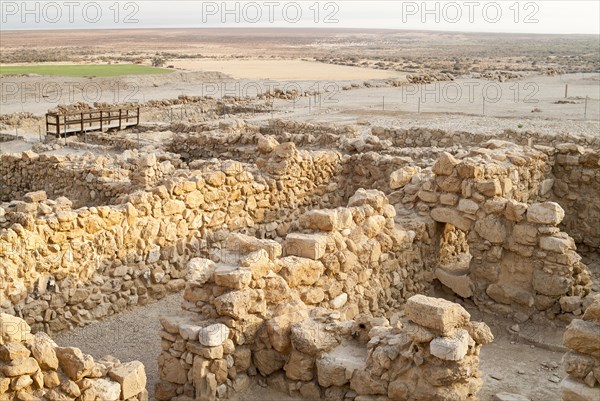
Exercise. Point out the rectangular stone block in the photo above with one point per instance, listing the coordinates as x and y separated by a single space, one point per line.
437 314
310 246
452 348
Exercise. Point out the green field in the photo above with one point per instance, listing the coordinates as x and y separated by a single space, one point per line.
92 70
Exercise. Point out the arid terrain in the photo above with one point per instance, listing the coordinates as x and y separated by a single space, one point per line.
301 190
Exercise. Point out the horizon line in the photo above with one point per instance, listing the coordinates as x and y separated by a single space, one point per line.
322 28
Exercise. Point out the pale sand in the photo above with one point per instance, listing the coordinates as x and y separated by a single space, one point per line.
284 70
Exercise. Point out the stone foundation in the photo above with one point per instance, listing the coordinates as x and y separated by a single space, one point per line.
582 362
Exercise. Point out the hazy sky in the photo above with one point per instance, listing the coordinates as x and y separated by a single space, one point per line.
547 16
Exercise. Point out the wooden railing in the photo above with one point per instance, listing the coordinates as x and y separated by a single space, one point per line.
63 124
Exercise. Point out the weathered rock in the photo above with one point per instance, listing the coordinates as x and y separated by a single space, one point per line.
300 271
13 328
573 390
445 164
106 389
453 348
132 378
74 363
311 337
438 314
213 335
583 337
200 270
461 284
299 366
401 177
311 246
545 213
43 350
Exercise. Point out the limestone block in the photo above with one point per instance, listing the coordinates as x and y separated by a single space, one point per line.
444 164
583 337
451 216
213 335
35 197
132 378
545 213
106 389
74 363
453 348
172 207
437 314
245 244
327 219
550 284
43 350
13 329
232 276
299 366
461 284
311 337
311 246
279 329
200 270
300 271
371 197
401 177
492 229
468 206
558 244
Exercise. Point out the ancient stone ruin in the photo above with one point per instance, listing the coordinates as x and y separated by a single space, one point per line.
33 367
305 254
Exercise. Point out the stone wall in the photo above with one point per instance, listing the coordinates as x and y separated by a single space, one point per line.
86 180
237 140
316 323
575 185
522 264
73 266
425 137
582 361
33 367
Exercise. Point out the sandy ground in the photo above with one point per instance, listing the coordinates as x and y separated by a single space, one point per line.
284 70
534 97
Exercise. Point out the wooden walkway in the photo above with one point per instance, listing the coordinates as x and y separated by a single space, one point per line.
63 124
